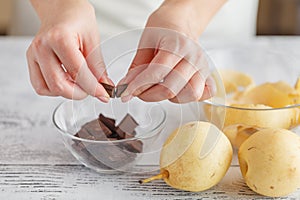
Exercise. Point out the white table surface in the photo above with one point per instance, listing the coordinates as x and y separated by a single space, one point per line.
34 164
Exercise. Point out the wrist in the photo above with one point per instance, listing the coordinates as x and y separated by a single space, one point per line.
47 8
195 15
175 15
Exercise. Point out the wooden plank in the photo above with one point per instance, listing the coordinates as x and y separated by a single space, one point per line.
77 182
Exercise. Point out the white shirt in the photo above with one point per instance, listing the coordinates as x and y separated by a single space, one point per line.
235 21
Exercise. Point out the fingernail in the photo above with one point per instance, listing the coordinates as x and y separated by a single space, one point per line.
126 98
104 99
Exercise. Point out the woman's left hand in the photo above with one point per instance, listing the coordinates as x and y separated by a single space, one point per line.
169 63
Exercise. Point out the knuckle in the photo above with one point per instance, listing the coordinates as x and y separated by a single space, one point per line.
159 76
57 35
148 78
79 97
37 43
40 91
197 94
154 77
73 72
57 88
169 94
28 53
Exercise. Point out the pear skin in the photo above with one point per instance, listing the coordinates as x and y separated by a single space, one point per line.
184 165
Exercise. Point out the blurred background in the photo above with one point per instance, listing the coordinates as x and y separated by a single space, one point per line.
274 17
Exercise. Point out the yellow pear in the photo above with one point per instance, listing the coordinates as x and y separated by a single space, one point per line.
239 133
270 162
260 116
195 157
297 85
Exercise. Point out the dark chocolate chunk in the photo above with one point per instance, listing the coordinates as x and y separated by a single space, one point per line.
128 124
135 146
133 133
123 135
110 89
120 133
120 89
111 155
109 122
78 146
108 155
81 149
93 161
127 135
105 129
97 129
114 135
112 139
84 133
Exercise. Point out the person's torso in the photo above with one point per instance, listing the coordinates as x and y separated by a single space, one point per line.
236 20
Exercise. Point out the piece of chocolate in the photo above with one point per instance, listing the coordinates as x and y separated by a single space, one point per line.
105 129
120 89
83 133
120 133
97 129
109 122
135 146
78 146
123 135
110 89
128 124
93 161
127 135
108 155
81 149
112 139
114 135
111 155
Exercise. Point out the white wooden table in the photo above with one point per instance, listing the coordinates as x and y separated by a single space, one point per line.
34 164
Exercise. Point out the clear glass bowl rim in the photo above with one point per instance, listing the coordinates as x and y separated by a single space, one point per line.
151 133
250 109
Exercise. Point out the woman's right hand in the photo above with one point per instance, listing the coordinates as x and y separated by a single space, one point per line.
64 59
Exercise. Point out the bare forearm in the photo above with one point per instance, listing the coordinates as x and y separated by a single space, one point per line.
197 13
47 8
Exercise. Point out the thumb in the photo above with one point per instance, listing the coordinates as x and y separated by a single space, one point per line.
140 62
97 66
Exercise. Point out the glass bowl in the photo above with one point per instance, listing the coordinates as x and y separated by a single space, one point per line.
110 155
118 53
263 65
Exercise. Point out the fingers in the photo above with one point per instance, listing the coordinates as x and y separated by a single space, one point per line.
157 70
37 79
143 56
140 62
174 82
132 73
77 67
53 80
210 89
95 61
196 90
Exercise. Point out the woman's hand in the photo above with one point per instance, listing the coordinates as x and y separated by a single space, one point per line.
63 58
169 63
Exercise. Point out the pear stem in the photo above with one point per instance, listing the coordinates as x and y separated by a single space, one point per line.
161 175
